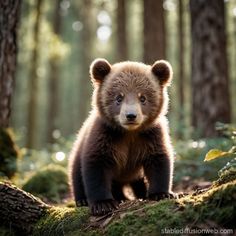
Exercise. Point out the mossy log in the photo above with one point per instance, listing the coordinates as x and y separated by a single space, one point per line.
212 208
19 210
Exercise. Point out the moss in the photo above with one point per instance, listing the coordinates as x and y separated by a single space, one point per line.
226 176
149 221
6 232
216 205
50 183
62 221
8 154
214 208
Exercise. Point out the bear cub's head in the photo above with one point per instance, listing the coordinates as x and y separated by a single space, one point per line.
131 95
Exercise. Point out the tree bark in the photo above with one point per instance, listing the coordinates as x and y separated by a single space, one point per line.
234 74
154 31
210 83
33 80
85 88
181 82
19 210
122 48
9 14
54 80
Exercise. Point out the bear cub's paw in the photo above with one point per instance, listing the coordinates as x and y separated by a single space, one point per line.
103 207
162 195
82 202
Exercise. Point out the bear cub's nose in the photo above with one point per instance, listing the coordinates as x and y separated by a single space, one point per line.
131 116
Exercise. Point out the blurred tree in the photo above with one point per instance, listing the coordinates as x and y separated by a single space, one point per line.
122 48
54 78
9 11
210 91
84 83
181 64
33 81
233 61
154 31
9 15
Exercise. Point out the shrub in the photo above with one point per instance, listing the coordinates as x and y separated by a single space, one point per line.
228 131
50 183
8 154
190 157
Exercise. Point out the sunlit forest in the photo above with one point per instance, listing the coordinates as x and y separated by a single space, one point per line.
46 49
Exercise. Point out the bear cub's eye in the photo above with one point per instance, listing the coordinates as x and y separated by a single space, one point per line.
119 99
142 99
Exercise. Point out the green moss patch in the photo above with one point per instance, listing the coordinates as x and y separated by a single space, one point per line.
6 232
62 221
214 208
50 183
8 154
226 176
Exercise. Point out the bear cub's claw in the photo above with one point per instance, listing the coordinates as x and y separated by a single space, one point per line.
162 195
82 202
103 207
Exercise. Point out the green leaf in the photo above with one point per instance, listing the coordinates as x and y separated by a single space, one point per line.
215 153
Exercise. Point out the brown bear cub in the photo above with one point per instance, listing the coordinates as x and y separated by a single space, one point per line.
125 139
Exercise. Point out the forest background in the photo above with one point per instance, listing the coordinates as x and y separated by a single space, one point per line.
48 94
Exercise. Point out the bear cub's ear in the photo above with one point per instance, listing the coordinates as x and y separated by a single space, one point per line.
163 71
99 69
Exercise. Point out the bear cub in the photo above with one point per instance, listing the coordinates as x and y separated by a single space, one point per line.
125 139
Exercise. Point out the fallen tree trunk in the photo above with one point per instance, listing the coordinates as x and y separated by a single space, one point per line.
210 209
19 210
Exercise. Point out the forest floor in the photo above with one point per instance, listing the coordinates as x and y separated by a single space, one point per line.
208 208
212 208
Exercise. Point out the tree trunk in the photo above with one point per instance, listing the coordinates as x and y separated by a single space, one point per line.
210 83
33 83
85 88
19 210
181 82
54 80
154 31
121 31
234 71
9 13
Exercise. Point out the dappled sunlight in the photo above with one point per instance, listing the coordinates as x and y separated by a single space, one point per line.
60 156
104 33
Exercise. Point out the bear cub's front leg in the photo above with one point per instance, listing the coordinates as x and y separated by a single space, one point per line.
158 171
97 181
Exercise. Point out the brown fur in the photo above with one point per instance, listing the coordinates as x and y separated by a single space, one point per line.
108 152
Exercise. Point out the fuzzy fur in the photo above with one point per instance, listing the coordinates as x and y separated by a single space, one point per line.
106 156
